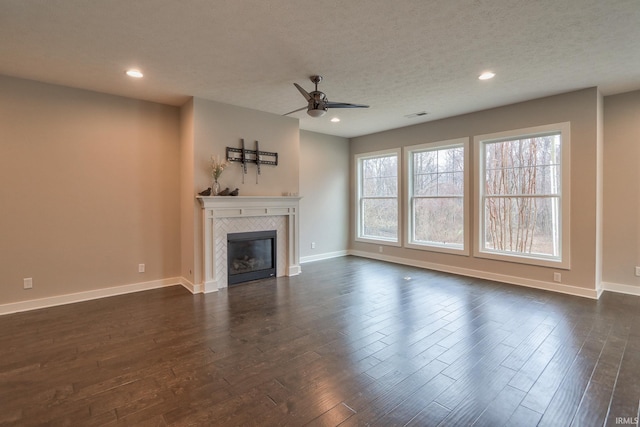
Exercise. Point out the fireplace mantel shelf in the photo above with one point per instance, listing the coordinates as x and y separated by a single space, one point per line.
239 202
243 199
235 206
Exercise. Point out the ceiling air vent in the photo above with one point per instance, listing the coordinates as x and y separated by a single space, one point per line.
414 115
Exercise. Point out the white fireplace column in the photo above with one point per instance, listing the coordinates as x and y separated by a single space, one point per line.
223 214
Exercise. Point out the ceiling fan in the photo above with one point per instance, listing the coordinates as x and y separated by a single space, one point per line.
318 104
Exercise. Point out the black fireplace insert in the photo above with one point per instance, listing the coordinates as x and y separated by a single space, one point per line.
251 256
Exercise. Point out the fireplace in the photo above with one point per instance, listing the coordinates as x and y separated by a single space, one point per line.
222 216
251 256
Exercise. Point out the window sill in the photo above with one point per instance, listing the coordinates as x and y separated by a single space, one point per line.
437 248
522 259
375 241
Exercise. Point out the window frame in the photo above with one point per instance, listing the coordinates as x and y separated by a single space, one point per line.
410 214
359 235
563 261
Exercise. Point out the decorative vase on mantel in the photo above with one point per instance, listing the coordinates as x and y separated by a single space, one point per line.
217 167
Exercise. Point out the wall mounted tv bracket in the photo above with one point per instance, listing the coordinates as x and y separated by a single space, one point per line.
244 156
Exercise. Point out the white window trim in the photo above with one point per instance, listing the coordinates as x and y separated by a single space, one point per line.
408 229
358 231
565 186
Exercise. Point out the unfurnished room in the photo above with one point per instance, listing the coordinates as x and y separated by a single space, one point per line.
322 213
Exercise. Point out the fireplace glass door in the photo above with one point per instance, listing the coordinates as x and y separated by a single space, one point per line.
251 256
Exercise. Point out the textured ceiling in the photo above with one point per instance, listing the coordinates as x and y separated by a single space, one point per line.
400 57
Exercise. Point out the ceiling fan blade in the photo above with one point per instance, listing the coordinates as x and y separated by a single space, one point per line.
344 105
304 93
295 111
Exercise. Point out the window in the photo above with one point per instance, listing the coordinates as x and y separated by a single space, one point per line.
523 206
377 177
436 196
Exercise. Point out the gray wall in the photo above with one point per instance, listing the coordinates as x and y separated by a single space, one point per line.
89 188
622 191
324 187
93 185
581 109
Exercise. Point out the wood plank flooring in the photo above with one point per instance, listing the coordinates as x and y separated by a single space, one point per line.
349 342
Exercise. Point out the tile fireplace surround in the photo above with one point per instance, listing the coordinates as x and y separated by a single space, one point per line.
228 214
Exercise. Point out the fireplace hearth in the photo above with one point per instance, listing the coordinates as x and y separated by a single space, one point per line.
251 256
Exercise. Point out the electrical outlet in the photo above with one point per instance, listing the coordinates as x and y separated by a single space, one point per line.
638 271
313 245
28 283
140 268
557 277
380 249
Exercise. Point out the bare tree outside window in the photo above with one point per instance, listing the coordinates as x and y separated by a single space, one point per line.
522 195
379 197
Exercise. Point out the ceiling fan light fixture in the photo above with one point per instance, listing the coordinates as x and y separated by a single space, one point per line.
316 112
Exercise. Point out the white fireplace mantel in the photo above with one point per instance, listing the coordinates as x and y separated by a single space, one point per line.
218 209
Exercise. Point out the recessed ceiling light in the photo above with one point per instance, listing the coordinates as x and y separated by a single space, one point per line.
335 119
135 73
486 75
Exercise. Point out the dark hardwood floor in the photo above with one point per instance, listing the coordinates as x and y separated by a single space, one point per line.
349 342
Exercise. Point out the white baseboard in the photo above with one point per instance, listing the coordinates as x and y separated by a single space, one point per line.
320 257
194 289
212 286
620 288
35 304
294 270
520 281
